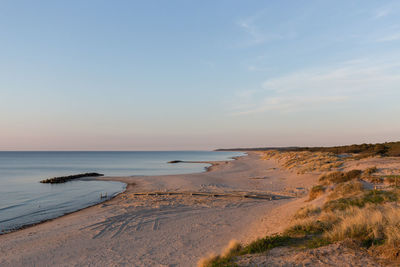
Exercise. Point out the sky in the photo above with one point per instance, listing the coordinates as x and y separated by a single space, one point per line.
197 75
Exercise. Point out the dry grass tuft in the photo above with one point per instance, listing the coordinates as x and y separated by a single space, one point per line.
224 259
307 211
371 170
208 261
232 248
374 179
316 191
303 227
340 177
372 225
376 197
347 189
392 179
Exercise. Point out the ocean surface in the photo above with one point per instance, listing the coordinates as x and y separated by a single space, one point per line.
24 201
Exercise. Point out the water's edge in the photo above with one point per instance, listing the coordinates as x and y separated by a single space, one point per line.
65 214
115 195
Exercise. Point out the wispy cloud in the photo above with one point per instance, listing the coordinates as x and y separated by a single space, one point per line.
382 12
257 35
318 89
390 37
389 9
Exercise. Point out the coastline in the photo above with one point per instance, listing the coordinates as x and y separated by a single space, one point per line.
158 221
126 185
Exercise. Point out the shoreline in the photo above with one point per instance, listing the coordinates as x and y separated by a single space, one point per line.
114 179
65 214
152 222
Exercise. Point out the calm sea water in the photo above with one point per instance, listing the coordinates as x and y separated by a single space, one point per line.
24 201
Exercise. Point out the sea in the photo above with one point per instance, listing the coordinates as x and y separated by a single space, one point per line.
25 201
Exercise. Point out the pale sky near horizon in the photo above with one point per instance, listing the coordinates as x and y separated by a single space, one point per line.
178 75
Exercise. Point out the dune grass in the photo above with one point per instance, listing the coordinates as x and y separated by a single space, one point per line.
367 197
371 170
307 211
374 225
305 162
315 192
370 218
342 190
392 179
340 177
234 249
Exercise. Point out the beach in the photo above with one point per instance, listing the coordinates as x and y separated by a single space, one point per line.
163 230
176 220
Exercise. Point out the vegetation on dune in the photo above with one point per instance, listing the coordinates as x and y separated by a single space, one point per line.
367 197
316 191
392 179
382 149
304 162
340 177
234 249
307 211
370 218
372 225
391 149
371 170
346 189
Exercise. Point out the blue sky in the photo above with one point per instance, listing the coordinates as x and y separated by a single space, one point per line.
149 75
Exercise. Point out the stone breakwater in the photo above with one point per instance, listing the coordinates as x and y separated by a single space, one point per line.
64 179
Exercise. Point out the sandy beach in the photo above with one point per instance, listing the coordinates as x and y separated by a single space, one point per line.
176 220
175 229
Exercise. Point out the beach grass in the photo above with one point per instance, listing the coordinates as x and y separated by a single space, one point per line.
340 177
316 191
369 218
